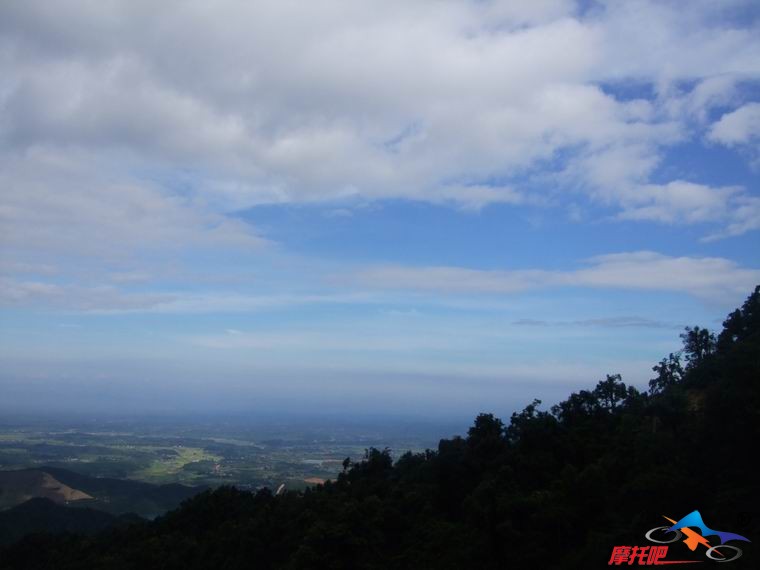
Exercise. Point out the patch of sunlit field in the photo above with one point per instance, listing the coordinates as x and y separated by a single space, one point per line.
168 467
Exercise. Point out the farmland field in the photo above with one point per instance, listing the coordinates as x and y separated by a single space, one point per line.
211 453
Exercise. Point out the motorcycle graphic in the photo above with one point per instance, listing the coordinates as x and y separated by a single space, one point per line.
677 530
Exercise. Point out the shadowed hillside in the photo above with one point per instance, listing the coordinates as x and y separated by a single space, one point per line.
17 487
118 496
115 496
551 488
43 515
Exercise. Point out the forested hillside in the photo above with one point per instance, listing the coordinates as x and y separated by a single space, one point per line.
41 513
550 488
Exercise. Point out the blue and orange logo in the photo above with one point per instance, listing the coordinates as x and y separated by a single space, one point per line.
677 530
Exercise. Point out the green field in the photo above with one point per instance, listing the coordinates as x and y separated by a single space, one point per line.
170 469
190 454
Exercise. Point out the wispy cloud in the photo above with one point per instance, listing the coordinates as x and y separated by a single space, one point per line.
345 341
709 278
51 296
603 322
705 277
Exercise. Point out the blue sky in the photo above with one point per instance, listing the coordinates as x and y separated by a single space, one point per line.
429 208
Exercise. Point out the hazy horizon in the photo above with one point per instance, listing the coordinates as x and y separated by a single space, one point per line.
375 208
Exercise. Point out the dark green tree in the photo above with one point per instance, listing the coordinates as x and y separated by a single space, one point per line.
610 392
698 345
669 373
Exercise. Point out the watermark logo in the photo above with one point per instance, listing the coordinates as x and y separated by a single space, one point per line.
655 555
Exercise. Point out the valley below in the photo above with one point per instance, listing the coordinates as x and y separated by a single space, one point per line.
187 451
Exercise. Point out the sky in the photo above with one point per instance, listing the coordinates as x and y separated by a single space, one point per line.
418 207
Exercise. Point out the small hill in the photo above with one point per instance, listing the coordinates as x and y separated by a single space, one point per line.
114 496
118 496
17 487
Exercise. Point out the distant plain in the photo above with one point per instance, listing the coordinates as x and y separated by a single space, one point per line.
206 451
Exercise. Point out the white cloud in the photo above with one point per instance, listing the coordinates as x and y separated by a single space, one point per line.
121 298
744 218
227 302
604 322
707 277
127 126
77 298
282 101
617 177
679 202
648 39
738 127
331 340
54 202
130 277
715 279
719 90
